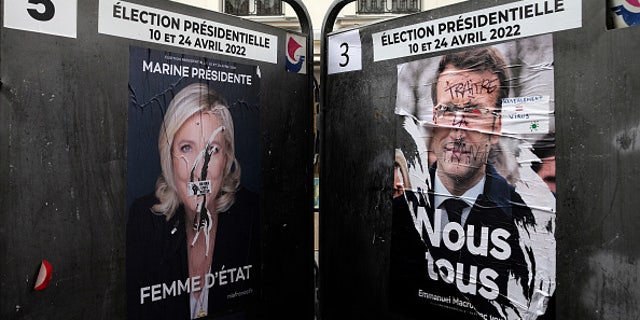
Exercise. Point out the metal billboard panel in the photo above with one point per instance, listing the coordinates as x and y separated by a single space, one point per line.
382 129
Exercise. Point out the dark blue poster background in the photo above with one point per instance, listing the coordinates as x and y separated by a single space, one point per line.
154 79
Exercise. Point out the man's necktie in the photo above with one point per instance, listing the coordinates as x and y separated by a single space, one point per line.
454 209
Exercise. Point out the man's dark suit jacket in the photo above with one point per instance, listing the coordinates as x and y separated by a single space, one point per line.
499 206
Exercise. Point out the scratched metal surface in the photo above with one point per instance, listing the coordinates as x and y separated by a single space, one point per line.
63 140
598 150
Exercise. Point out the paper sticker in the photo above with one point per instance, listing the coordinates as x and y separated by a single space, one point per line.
199 188
525 115
345 52
296 53
623 13
44 16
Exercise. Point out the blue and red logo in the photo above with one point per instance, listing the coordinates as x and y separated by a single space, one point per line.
296 50
630 12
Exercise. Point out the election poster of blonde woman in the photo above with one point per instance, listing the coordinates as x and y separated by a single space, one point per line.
192 230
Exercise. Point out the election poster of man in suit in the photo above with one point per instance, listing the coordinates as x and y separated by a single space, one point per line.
474 209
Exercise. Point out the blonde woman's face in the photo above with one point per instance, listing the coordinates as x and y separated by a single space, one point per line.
190 145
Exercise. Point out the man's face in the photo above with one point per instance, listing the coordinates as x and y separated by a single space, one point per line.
465 121
398 182
547 172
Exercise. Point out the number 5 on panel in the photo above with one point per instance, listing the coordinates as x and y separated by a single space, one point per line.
344 52
56 17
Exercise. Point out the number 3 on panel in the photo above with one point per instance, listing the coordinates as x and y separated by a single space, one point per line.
344 52
37 13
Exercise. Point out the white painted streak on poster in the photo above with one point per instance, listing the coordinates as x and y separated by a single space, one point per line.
515 20
133 21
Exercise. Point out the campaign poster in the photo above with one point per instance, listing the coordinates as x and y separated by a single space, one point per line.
193 176
474 208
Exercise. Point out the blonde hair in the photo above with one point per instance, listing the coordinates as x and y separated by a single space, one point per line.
194 98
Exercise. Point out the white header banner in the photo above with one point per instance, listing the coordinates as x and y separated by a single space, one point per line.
133 21
515 20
